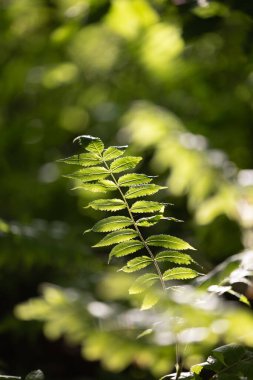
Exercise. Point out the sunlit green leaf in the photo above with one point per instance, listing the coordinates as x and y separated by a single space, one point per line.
150 299
180 273
112 223
117 237
124 163
93 187
89 174
147 206
168 241
143 190
133 179
110 185
149 221
83 159
112 153
174 257
143 282
95 145
107 204
136 264
126 248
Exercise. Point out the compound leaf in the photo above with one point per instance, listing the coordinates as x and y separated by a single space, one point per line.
133 179
113 223
168 241
117 237
180 273
136 264
143 282
124 163
147 206
126 248
143 190
107 204
174 257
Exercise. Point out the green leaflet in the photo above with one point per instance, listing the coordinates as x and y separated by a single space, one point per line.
107 204
180 273
136 264
147 206
143 190
143 282
84 159
124 163
112 153
93 187
149 220
112 223
149 301
133 179
117 237
110 185
95 146
90 174
174 257
126 248
168 241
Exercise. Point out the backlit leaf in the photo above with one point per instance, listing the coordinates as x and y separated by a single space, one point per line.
95 145
133 179
126 248
89 174
93 187
143 282
112 223
124 163
168 241
147 206
149 221
84 159
110 185
174 257
117 237
112 153
136 264
107 204
180 273
149 301
143 190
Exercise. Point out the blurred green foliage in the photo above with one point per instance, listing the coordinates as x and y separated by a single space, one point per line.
173 78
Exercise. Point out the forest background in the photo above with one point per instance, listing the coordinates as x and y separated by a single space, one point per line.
174 80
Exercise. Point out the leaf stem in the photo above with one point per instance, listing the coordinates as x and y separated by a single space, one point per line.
137 229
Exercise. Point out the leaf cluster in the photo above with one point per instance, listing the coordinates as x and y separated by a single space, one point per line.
229 362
